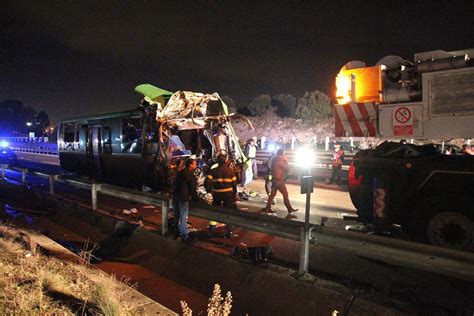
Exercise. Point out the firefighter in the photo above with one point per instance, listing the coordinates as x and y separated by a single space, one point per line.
337 160
280 170
221 181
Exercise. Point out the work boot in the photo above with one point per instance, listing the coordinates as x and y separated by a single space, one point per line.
264 254
269 211
259 254
211 230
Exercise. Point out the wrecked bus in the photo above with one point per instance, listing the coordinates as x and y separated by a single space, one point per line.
145 147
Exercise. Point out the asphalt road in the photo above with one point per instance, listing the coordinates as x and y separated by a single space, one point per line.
326 201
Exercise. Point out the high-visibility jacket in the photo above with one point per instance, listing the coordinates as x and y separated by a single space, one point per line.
222 179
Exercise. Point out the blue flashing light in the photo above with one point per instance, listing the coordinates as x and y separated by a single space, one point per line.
4 144
4 151
271 147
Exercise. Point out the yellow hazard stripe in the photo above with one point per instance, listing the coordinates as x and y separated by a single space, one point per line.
222 190
223 180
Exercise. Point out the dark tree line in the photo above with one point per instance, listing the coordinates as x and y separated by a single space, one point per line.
19 119
312 105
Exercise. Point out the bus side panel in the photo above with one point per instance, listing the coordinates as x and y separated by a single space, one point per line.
124 169
121 168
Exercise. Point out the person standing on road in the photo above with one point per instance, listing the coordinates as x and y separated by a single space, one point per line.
184 191
268 174
221 181
337 160
251 153
279 172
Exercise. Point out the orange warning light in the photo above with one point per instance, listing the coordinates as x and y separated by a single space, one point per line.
343 88
367 85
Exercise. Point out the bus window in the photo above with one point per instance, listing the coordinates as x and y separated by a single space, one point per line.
83 134
131 134
70 136
106 140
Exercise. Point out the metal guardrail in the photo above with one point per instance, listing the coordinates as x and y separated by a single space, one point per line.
39 148
408 254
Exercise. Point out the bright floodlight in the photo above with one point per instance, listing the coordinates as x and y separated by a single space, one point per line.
271 147
305 157
29 124
4 144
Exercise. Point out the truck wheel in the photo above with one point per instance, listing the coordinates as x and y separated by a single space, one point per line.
360 190
451 230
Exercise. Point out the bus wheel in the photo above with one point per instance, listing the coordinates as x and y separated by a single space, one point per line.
451 230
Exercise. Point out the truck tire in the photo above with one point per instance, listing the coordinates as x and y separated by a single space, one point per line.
354 184
450 230
360 190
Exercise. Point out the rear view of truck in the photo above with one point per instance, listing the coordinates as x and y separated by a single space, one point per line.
427 193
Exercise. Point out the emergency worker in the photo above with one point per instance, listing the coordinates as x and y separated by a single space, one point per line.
251 153
184 190
268 175
221 181
337 160
279 172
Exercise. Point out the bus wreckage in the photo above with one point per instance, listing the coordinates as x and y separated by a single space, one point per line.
144 148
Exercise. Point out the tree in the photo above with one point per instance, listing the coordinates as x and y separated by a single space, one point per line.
314 105
230 103
41 122
284 105
260 104
14 116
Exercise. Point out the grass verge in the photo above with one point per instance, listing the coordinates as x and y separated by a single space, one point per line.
35 283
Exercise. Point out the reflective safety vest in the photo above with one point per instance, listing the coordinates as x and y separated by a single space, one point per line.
222 179
252 152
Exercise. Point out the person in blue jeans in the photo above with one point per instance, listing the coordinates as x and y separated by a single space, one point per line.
184 190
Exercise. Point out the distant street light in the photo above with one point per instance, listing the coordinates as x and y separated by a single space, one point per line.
29 124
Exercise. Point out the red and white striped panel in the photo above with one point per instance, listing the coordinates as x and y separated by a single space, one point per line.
356 119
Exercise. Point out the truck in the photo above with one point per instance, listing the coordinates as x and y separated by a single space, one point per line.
418 188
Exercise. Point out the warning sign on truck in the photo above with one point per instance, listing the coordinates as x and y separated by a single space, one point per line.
402 121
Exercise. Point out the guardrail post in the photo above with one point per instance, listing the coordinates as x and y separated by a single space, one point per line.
307 186
326 144
304 251
165 207
94 188
52 178
23 176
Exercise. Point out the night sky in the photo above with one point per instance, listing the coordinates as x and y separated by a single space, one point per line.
84 57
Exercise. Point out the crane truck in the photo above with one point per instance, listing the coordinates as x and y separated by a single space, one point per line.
428 194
